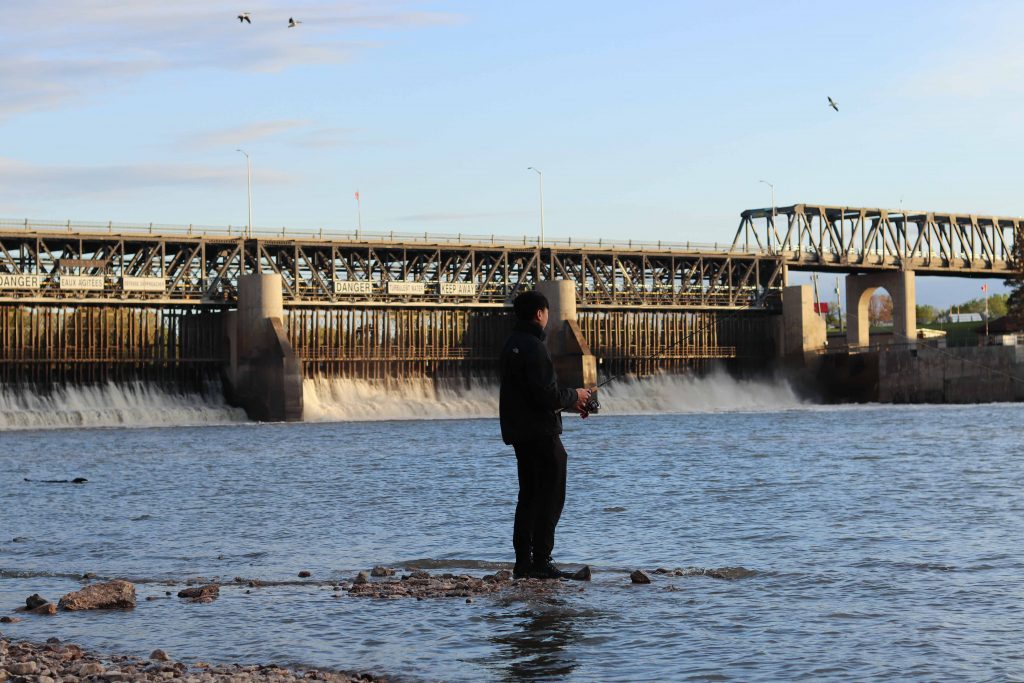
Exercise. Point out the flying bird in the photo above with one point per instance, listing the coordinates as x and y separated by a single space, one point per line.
832 103
244 16
292 23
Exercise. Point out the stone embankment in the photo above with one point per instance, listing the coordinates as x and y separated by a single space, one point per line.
54 661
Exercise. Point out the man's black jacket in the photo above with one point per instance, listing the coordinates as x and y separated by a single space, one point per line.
530 398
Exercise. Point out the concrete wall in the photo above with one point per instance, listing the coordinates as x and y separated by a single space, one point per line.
264 374
924 375
958 375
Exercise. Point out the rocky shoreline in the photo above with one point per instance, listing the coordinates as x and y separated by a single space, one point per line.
54 662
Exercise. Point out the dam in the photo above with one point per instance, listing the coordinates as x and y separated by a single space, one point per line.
179 306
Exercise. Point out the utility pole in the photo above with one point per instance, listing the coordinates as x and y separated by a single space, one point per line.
248 166
540 177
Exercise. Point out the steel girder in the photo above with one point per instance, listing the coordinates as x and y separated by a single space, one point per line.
205 270
811 237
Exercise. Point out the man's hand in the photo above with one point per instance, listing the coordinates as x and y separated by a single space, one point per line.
582 396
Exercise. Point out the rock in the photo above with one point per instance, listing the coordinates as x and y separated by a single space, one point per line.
53 641
88 576
382 571
45 679
361 578
91 669
584 574
207 593
35 600
116 594
502 575
22 668
469 600
19 539
419 574
159 656
304 574
639 577
46 609
9 620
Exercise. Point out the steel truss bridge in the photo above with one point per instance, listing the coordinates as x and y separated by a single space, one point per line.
53 263
76 263
852 240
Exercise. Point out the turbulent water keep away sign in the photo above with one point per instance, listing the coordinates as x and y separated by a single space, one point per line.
458 288
353 287
143 284
81 282
401 287
12 281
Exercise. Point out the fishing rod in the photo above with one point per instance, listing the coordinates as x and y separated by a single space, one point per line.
593 405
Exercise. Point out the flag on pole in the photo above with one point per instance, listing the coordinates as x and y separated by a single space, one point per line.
984 288
357 195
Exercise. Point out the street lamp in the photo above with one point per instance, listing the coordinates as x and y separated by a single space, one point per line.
540 177
772 229
248 166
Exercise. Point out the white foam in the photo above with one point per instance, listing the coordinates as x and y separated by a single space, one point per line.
111 405
328 400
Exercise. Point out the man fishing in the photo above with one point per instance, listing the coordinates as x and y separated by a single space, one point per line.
530 406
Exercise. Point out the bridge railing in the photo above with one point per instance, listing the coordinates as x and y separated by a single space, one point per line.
368 236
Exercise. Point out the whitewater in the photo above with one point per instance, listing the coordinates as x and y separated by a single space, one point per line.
349 400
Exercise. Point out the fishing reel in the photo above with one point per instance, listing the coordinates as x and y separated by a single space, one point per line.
592 406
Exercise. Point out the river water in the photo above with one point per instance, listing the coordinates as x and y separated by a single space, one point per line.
881 542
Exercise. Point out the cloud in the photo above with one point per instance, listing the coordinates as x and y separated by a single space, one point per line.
56 51
19 178
244 134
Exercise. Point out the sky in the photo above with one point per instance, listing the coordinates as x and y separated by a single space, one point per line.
649 120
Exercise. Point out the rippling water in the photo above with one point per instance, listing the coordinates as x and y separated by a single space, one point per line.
884 542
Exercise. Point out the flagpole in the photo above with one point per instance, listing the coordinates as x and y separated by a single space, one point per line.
359 214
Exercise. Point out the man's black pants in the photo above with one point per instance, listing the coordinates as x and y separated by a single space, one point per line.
542 468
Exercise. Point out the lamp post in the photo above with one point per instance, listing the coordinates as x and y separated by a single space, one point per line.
772 229
540 177
248 167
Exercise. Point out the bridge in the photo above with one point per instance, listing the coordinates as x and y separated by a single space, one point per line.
44 262
93 302
858 240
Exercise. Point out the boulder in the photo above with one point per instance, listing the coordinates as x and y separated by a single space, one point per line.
361 578
9 620
47 608
207 593
583 574
116 594
304 574
639 577
382 571
159 656
35 600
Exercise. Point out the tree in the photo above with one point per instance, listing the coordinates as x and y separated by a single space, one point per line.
926 314
1015 302
996 305
880 310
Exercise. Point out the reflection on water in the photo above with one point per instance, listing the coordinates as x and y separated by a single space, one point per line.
535 644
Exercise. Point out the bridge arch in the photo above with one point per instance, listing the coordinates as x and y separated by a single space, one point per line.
901 286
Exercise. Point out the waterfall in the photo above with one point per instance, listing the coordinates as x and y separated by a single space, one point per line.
424 399
111 405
